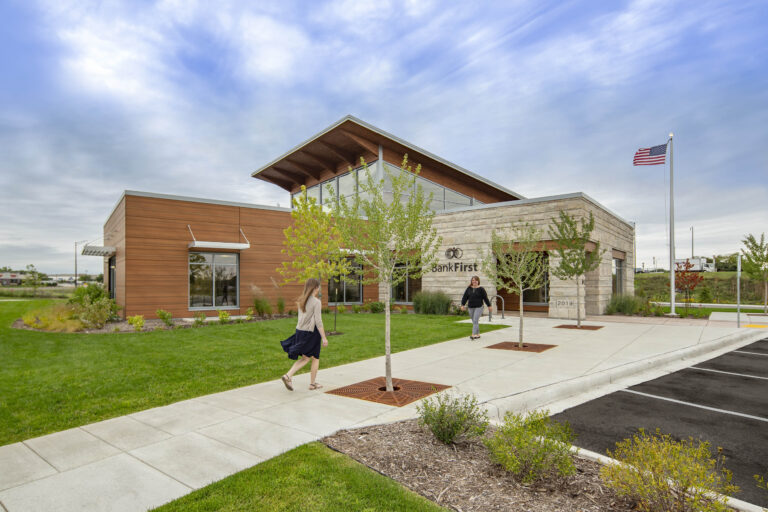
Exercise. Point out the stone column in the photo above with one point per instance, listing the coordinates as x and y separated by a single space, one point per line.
599 285
562 294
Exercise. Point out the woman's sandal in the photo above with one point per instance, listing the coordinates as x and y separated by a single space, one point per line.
287 381
315 386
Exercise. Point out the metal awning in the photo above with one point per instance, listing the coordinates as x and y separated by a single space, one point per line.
235 246
98 250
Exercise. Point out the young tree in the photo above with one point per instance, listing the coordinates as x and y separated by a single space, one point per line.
575 261
312 244
686 281
756 262
389 223
515 265
32 278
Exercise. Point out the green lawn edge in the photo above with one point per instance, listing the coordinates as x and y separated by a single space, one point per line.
309 477
50 382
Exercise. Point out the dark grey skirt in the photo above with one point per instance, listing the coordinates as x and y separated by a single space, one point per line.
303 343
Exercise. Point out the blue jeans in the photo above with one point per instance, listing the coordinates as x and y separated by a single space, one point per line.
474 314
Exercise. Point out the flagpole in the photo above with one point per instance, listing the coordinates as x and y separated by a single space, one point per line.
671 226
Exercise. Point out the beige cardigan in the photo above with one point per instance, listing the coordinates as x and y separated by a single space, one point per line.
310 318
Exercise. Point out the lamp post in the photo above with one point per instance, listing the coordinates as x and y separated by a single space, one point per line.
692 244
78 242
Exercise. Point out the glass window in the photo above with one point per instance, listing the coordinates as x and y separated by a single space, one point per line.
314 192
329 198
404 292
617 276
347 289
213 280
454 197
348 184
437 193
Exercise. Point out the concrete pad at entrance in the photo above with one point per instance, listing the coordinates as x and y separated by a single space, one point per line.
195 460
118 484
71 448
26 464
259 437
126 433
183 417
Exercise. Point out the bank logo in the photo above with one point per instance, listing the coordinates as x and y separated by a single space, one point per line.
453 253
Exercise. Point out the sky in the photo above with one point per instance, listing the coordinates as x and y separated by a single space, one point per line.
544 98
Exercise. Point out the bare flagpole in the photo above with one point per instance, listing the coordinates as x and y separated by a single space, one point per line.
671 227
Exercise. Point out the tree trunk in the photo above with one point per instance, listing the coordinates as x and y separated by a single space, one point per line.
387 356
520 333
578 302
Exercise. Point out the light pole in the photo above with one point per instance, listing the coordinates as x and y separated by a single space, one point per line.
78 242
692 244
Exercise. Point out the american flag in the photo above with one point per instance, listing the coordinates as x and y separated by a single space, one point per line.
650 156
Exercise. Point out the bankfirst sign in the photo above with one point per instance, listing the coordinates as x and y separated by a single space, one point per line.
454 253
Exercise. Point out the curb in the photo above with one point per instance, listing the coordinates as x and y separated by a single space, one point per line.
534 398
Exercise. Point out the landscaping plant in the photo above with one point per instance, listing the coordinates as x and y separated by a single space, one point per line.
55 318
514 264
756 262
280 305
431 303
96 313
136 321
661 473
571 250
341 309
686 281
199 319
249 314
165 316
223 317
533 447
261 306
389 226
453 418
32 279
624 304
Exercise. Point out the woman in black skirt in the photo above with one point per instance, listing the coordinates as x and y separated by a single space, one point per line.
309 334
474 297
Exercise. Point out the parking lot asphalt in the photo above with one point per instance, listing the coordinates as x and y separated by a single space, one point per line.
723 400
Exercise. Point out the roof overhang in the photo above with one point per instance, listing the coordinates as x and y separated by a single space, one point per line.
98 250
340 144
198 244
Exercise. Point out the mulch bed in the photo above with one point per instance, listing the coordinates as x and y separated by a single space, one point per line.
152 325
527 347
462 477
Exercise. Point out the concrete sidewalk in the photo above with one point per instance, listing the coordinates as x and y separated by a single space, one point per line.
143 460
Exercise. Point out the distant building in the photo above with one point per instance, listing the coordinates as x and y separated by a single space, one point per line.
11 278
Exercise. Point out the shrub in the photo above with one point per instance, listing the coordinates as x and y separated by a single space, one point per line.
451 418
165 316
533 447
223 316
261 306
55 318
431 303
456 310
136 321
292 312
376 307
705 295
325 311
661 473
280 305
357 308
341 309
249 314
366 308
199 319
92 291
624 304
658 310
96 313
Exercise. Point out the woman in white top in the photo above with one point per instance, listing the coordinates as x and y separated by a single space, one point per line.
305 342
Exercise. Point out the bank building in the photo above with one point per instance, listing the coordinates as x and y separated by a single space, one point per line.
185 254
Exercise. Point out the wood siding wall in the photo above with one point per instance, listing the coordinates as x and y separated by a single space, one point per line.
151 237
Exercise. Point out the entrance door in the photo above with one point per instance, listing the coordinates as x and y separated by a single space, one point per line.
112 274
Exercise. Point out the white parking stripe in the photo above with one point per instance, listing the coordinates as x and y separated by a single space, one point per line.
724 411
728 373
750 353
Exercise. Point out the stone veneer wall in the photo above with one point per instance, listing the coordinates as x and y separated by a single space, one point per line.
470 231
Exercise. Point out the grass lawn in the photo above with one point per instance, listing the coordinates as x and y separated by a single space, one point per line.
54 381
310 477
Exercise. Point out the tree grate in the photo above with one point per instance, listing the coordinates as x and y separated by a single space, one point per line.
406 391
